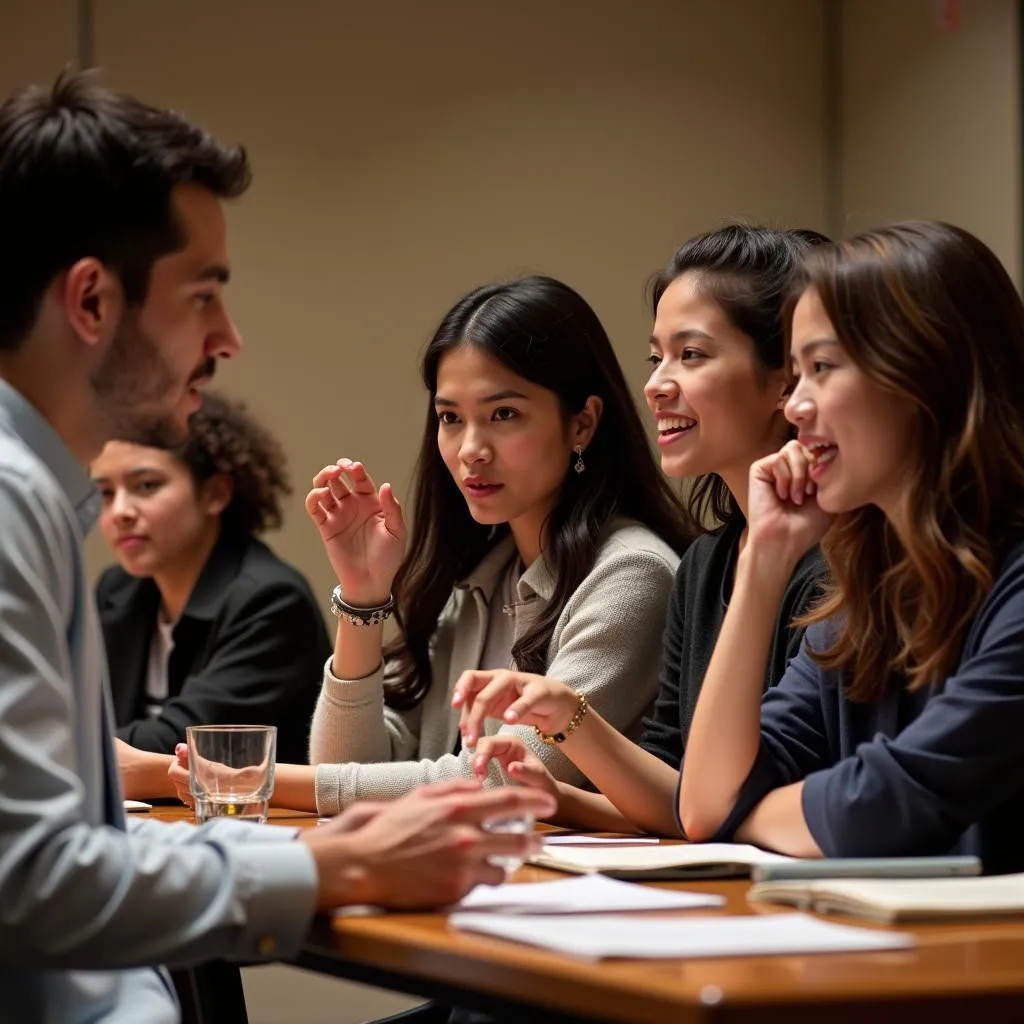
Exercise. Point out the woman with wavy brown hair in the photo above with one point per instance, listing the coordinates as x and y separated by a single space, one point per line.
897 730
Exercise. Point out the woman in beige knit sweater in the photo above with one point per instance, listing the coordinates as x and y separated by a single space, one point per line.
543 536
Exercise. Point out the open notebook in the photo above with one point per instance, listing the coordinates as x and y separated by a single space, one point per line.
651 863
897 899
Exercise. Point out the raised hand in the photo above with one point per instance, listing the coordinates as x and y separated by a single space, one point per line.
516 698
783 514
362 529
425 850
517 761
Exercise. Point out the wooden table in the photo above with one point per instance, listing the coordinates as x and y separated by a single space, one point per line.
957 969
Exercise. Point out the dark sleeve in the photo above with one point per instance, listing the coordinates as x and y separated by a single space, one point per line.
794 741
662 735
269 650
951 767
802 593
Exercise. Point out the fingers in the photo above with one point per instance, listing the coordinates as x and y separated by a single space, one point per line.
532 775
504 801
468 685
466 696
330 488
489 701
443 789
787 471
361 481
797 459
489 874
532 694
333 469
394 521
501 748
356 816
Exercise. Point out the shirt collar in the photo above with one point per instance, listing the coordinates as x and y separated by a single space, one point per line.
536 580
19 417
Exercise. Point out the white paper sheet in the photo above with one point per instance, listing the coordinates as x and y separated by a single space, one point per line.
585 894
596 936
137 805
615 858
575 840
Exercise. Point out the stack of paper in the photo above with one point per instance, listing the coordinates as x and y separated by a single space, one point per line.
892 899
596 936
652 862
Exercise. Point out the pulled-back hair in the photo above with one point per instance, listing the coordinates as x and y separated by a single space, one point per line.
545 332
86 171
927 311
747 272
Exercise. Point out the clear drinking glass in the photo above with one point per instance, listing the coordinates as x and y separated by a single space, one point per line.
520 824
231 770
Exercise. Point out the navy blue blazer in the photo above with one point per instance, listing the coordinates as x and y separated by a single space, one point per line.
939 770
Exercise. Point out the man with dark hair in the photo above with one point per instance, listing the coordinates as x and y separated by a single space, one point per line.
113 263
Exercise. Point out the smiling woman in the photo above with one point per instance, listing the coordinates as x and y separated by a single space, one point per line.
543 537
896 730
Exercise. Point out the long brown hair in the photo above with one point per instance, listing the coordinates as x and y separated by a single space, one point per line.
927 311
545 332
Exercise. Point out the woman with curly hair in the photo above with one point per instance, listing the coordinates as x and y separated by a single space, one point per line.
203 623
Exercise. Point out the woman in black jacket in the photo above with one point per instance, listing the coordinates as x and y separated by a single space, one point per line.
204 624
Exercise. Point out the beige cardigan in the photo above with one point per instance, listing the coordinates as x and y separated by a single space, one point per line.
606 643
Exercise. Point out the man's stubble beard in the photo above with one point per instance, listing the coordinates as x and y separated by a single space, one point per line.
134 389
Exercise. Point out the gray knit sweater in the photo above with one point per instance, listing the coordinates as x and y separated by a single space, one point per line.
606 643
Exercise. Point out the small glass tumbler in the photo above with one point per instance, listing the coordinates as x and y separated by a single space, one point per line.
231 770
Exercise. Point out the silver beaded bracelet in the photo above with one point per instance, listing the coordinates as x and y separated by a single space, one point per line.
361 616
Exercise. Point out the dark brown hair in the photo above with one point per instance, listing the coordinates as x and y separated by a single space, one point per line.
224 438
87 172
543 331
927 311
747 271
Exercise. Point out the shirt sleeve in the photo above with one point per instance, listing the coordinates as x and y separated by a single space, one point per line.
949 768
794 740
352 723
607 649
74 894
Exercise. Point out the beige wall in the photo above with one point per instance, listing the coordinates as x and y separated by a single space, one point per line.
931 118
405 153
37 39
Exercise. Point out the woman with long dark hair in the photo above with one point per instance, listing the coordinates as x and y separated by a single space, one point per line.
543 536
897 730
717 389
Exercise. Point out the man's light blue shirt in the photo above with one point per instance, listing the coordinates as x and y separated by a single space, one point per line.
86 907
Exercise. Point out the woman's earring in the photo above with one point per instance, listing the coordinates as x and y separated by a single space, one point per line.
579 466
